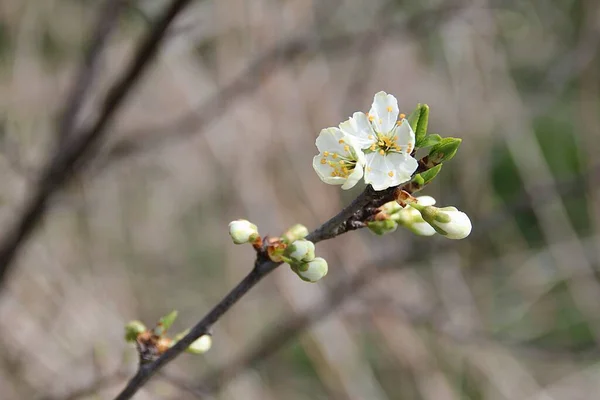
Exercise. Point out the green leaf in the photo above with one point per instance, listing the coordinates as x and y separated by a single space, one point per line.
430 174
165 323
419 119
133 329
418 180
429 140
444 150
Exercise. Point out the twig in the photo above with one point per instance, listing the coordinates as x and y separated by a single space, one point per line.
107 21
75 153
277 338
350 218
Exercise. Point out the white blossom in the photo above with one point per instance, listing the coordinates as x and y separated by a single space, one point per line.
301 250
201 345
411 218
242 231
447 221
313 270
386 141
340 160
458 225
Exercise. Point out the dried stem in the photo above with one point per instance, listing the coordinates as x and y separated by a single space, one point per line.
75 153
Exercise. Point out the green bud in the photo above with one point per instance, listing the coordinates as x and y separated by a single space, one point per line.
430 174
390 207
165 323
301 251
133 329
382 227
444 150
311 271
294 233
200 345
419 119
242 231
418 180
429 141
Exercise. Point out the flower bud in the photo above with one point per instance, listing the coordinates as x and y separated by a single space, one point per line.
200 345
133 329
311 271
390 208
243 231
412 220
448 221
301 251
382 227
294 233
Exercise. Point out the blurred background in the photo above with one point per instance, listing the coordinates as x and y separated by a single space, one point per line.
223 127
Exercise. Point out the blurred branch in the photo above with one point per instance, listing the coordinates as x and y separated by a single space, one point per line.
258 72
350 218
100 383
73 154
275 339
107 21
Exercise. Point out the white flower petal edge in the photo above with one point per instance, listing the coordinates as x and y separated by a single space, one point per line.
425 201
340 161
389 170
459 226
384 111
360 129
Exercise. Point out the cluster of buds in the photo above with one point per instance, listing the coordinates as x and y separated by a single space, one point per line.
152 343
419 215
290 248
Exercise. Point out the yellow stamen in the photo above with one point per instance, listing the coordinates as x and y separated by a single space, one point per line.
341 141
325 153
342 162
371 118
323 161
389 108
346 148
373 147
369 169
402 116
334 173
370 137
382 152
391 173
334 156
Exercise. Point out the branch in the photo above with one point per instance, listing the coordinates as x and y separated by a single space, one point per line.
75 153
350 218
107 20
257 72
277 338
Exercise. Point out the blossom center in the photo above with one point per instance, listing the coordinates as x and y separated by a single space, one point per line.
342 165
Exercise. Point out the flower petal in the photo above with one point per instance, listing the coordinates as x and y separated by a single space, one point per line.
324 172
328 140
377 171
403 166
354 177
360 129
406 136
384 111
